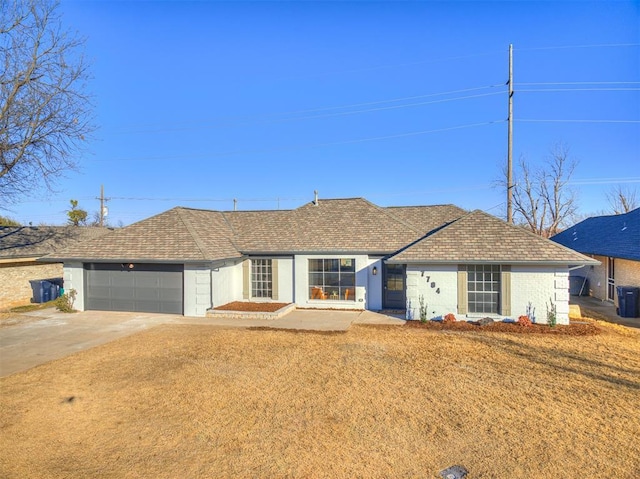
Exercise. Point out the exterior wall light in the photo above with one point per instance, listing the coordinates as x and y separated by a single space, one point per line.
375 270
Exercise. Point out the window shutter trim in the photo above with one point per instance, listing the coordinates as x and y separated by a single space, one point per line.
274 279
246 279
462 290
505 290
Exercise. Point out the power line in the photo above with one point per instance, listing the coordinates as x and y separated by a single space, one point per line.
273 116
576 89
392 107
582 83
605 181
527 120
304 146
600 45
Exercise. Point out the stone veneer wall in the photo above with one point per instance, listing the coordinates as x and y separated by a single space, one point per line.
15 289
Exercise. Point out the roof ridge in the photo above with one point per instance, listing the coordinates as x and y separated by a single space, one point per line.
192 231
234 233
392 216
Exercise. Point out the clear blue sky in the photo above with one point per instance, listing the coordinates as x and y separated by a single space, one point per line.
198 103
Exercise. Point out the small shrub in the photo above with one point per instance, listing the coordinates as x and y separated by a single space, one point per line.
524 320
449 318
531 312
65 302
552 314
423 309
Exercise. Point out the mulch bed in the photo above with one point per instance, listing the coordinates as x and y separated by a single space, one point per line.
251 306
574 329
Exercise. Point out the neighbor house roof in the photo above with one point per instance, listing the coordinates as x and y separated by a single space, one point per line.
481 238
22 242
617 236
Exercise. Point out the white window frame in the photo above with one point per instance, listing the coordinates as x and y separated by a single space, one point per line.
261 278
484 287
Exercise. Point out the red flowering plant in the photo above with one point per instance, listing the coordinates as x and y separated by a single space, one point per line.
449 318
524 320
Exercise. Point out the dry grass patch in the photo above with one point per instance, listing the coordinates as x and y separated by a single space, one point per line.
193 401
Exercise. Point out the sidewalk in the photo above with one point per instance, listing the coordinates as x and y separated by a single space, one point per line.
603 310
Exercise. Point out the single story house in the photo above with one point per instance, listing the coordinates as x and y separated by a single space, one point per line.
334 253
614 241
21 246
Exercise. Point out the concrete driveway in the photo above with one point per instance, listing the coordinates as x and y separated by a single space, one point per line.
53 335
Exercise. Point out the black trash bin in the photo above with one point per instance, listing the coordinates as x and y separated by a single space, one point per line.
628 301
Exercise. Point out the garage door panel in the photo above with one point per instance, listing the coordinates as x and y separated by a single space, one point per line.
149 294
143 288
118 292
172 294
123 279
171 281
148 279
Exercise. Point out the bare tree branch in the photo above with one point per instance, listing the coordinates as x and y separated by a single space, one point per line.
622 199
45 114
543 201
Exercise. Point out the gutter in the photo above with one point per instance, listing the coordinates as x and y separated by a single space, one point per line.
497 262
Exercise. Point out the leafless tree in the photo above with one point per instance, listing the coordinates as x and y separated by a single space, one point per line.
543 200
45 112
622 200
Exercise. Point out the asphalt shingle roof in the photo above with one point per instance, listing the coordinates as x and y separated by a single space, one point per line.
177 235
617 236
35 241
439 233
350 225
481 238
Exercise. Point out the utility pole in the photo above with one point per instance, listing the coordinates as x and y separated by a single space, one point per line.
103 209
510 140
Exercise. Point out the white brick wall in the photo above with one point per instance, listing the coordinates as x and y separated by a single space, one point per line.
285 280
74 279
197 289
226 282
538 285
438 284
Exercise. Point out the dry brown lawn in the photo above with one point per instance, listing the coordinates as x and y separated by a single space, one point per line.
196 401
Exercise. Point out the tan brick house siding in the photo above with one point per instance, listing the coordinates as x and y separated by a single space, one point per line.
597 277
627 273
15 289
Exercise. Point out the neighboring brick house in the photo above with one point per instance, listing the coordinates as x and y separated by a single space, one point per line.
338 254
21 246
614 241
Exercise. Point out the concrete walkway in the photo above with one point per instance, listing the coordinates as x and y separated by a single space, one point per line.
53 335
603 310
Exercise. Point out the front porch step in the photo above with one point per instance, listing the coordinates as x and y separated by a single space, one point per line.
219 313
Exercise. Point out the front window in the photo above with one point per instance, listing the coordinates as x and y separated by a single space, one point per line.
261 278
483 288
332 279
